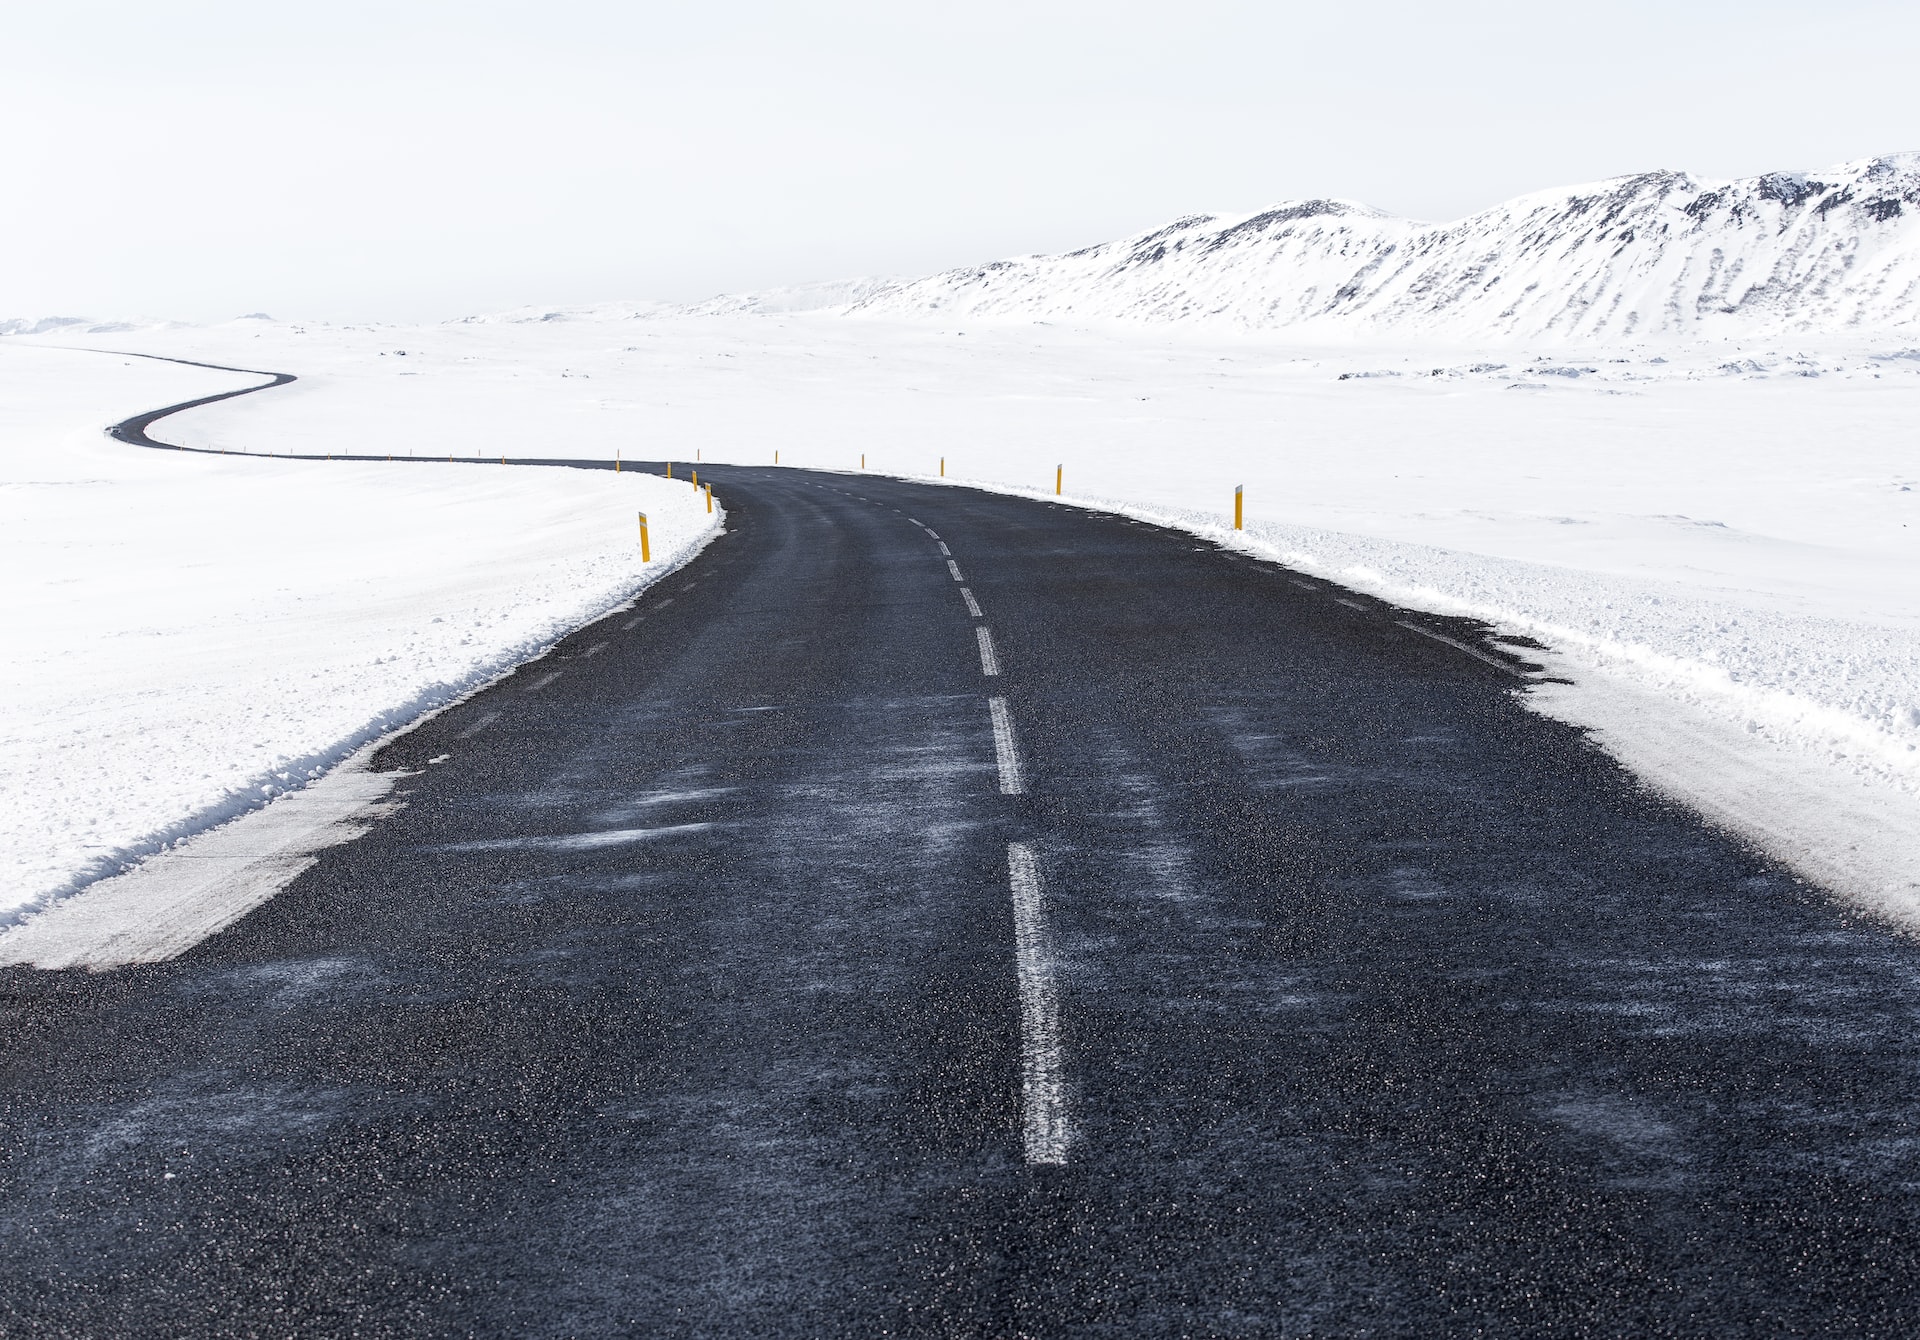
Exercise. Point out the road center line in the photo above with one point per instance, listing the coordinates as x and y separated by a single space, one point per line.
1006 751
954 568
594 650
944 551
973 606
1042 1092
543 681
989 661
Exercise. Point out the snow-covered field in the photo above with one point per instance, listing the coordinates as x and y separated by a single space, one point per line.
1718 541
187 635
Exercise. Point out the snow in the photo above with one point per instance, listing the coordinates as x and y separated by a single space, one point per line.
1717 539
1660 254
189 635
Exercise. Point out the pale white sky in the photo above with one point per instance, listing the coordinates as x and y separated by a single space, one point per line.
412 160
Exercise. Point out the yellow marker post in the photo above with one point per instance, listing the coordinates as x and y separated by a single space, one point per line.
863 460
696 479
709 497
646 553
1059 473
503 458
776 455
616 460
669 469
696 454
943 467
1238 515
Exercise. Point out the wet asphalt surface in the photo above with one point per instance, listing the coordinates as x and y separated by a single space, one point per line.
679 999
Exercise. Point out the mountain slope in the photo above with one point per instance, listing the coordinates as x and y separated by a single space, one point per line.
1659 254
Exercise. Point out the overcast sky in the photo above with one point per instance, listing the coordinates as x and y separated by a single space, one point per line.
410 160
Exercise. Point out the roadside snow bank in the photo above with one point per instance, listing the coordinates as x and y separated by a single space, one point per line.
190 635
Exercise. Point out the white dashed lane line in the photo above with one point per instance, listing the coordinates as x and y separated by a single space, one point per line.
1043 1099
989 661
594 650
543 681
1045 1133
1043 1095
1006 750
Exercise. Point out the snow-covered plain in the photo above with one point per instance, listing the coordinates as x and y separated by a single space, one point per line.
188 635
1718 541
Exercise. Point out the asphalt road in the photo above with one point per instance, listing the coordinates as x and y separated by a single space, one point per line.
134 431
1258 966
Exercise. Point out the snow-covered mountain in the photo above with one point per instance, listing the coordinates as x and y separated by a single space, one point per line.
821 296
813 297
93 325
70 325
1659 254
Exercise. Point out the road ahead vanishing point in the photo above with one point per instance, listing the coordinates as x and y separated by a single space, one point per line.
939 913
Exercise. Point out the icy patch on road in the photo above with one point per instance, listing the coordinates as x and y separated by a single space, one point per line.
594 841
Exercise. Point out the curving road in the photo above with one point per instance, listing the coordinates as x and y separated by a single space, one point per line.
134 431
937 913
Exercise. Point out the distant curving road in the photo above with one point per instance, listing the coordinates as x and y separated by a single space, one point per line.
939 913
134 431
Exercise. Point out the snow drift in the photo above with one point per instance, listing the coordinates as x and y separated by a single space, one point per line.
1661 254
